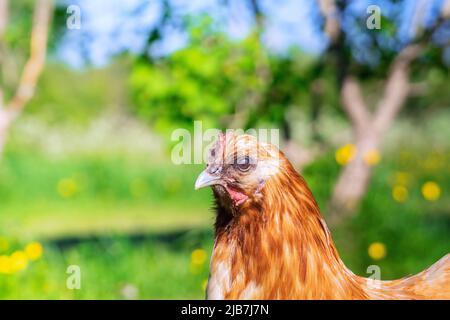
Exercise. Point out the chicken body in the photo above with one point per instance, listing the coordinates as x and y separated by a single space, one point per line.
271 241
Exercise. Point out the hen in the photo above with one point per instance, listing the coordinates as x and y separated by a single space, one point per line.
271 241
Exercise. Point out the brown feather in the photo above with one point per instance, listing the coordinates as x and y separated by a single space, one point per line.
277 246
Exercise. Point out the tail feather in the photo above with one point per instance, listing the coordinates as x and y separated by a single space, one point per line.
432 283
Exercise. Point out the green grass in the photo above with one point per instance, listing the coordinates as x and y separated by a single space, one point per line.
125 221
48 221
156 270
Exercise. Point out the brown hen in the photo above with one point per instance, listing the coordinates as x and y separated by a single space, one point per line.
271 241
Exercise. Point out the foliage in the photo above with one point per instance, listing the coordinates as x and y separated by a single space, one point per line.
203 81
65 96
216 79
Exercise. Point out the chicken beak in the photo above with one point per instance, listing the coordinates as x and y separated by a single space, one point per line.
205 179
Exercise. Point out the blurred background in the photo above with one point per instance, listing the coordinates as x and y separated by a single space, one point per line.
91 91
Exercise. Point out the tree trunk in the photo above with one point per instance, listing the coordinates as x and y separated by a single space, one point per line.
369 127
33 66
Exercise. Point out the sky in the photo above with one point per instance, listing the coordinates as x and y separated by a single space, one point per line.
109 27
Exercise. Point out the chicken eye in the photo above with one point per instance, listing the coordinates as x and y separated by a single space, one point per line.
243 164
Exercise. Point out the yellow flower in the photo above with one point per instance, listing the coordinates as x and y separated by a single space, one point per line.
198 256
377 250
399 193
19 261
33 250
4 244
204 284
431 191
345 154
372 157
5 264
67 188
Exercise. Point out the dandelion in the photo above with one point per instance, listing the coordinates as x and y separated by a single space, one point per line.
345 154
33 250
377 250
431 191
399 193
19 261
5 264
198 256
67 188
372 157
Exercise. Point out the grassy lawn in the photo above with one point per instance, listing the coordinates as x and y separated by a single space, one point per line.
139 230
123 251
115 268
48 221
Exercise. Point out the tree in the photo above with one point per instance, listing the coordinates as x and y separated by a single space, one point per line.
246 85
11 109
369 126
213 79
265 87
